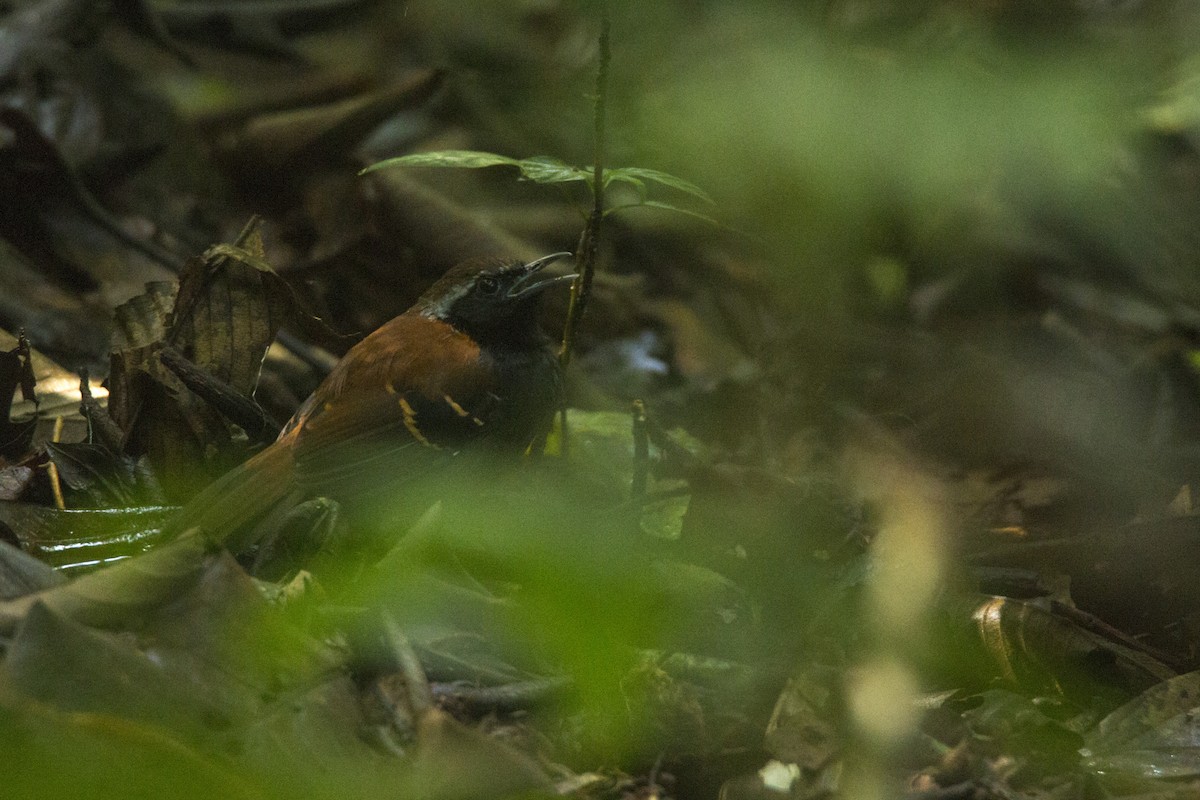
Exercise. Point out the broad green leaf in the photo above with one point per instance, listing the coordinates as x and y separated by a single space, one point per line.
468 159
545 169
539 169
663 178
618 176
665 207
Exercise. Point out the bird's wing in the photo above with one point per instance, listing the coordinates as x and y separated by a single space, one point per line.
399 403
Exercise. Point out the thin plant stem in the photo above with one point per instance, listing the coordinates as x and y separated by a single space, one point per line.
589 240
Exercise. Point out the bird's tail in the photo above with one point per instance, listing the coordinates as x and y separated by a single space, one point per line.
227 508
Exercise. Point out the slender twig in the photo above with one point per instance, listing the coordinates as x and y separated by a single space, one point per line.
589 240
52 468
505 698
102 429
28 381
234 406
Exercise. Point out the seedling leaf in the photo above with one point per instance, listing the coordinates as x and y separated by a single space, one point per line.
663 178
545 169
665 207
468 159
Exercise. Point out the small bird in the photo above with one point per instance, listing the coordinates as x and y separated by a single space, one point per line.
467 366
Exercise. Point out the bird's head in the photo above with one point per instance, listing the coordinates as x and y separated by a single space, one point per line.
492 301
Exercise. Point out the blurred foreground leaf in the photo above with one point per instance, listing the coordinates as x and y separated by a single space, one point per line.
107 757
121 592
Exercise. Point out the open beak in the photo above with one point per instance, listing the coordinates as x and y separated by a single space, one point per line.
531 283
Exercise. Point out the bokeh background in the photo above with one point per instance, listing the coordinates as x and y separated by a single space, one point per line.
909 508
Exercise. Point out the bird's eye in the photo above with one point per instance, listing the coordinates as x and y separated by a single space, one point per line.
488 285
